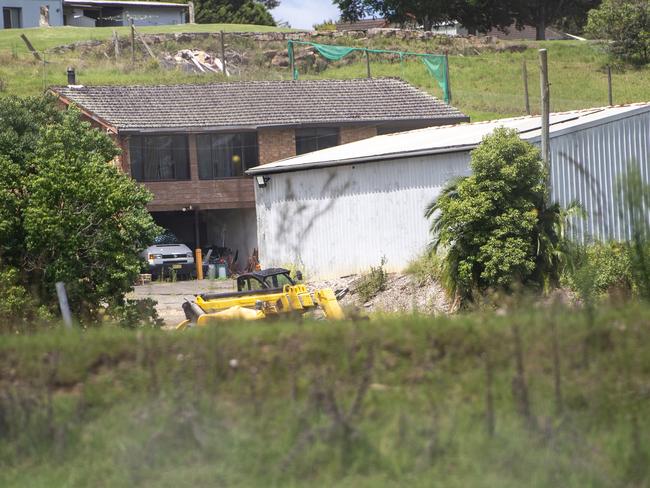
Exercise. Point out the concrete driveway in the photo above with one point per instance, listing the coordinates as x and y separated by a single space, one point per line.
170 296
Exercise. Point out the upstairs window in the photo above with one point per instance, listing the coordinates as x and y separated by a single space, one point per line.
226 155
159 158
313 139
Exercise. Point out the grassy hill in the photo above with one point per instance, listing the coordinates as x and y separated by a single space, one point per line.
468 401
486 83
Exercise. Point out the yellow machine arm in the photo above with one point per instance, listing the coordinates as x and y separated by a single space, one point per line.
291 299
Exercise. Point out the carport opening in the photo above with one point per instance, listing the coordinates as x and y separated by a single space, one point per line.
231 234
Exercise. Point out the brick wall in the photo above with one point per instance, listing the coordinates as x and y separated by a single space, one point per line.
275 144
352 134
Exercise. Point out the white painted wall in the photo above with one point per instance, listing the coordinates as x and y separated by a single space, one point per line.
31 11
337 221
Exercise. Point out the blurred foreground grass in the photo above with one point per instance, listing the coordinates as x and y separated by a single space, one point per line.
415 401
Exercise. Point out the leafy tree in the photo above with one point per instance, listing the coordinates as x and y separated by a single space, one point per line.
494 228
66 212
235 11
626 24
475 15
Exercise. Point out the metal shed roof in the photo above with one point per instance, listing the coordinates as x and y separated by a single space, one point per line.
445 139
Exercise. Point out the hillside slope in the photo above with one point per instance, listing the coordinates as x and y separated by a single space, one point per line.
486 76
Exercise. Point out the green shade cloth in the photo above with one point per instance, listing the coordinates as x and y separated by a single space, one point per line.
436 64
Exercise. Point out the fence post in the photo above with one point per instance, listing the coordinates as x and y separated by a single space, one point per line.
447 77
132 40
546 109
223 52
526 97
63 304
610 95
368 64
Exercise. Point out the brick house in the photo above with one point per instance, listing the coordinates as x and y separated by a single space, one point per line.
191 144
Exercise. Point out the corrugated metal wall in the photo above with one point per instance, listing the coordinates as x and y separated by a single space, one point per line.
342 220
337 221
586 165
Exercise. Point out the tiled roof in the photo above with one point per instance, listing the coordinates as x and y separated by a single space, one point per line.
259 104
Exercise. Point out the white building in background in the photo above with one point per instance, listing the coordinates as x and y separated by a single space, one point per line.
31 13
103 13
340 210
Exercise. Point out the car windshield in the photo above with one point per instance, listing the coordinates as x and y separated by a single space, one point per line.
166 238
278 281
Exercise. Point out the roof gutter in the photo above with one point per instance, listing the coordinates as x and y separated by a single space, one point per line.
261 170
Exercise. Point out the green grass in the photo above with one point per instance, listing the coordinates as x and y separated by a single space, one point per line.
484 86
110 407
48 37
491 85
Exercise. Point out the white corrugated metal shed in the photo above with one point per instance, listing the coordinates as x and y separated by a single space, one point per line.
340 210
450 138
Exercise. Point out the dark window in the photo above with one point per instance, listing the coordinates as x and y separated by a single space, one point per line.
159 158
12 17
226 155
313 139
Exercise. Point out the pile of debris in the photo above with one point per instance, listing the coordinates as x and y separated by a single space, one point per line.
195 61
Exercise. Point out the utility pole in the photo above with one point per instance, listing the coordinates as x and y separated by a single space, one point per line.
526 97
546 109
132 40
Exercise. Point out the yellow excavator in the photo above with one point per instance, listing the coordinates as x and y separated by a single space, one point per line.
260 295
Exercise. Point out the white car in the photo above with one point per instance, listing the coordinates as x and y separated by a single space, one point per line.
168 256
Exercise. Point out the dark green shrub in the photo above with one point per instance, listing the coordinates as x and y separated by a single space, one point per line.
494 229
133 314
600 268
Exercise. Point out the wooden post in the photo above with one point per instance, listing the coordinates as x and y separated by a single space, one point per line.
30 47
447 76
190 6
546 109
132 40
368 64
63 304
223 52
609 86
116 44
526 97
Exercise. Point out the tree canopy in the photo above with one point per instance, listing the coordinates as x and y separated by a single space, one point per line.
476 15
66 213
235 11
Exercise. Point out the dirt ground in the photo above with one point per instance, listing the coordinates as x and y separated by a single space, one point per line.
170 296
401 295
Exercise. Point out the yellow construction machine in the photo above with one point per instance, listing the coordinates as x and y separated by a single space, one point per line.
260 295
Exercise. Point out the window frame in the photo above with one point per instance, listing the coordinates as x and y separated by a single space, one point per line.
244 167
142 138
297 135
